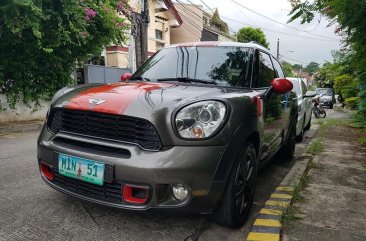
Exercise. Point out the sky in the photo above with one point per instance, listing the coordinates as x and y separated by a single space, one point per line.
296 47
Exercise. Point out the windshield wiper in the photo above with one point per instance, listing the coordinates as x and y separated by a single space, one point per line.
188 80
140 78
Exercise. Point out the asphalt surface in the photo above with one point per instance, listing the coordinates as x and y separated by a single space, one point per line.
30 210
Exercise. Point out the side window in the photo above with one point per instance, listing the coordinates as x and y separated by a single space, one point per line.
266 70
278 68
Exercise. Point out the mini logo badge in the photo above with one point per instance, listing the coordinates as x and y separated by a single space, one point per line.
96 101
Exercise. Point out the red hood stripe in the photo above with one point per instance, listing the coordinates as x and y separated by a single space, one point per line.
117 97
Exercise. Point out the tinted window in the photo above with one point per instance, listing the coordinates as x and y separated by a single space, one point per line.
266 70
278 68
228 66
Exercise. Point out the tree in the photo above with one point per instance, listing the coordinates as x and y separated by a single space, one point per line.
287 67
312 67
41 40
297 67
248 34
349 16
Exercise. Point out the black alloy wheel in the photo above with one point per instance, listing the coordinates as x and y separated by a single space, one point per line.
238 197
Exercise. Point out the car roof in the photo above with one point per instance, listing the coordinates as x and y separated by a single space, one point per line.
220 44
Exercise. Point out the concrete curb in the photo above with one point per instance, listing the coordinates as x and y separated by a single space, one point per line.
21 127
267 226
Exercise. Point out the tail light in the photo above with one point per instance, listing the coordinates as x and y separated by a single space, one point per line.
135 194
46 171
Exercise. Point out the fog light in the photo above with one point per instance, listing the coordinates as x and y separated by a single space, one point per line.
180 192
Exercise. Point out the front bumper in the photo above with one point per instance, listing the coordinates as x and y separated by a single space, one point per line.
193 166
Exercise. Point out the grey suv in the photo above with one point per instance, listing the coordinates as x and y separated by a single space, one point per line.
187 132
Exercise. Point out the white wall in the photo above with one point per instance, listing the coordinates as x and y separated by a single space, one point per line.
22 112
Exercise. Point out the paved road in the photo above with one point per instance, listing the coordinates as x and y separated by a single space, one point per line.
30 210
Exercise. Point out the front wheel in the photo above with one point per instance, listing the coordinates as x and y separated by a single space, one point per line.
238 197
322 113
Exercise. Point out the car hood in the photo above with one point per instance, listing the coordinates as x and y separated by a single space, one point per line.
142 99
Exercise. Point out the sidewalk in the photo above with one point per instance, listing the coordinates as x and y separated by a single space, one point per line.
23 126
335 199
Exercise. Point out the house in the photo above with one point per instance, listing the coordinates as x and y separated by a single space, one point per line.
200 25
163 18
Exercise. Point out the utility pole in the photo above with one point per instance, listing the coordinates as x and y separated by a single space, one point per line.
141 21
278 48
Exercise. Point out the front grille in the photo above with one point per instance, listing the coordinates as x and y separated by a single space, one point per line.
105 126
109 192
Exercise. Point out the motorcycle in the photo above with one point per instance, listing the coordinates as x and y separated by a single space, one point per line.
318 110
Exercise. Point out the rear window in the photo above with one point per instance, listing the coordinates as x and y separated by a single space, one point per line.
227 66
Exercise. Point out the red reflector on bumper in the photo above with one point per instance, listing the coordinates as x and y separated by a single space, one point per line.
46 171
134 194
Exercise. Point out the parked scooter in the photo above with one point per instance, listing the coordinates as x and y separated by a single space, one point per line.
318 110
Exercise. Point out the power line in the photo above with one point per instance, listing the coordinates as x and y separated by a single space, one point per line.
278 32
293 60
273 20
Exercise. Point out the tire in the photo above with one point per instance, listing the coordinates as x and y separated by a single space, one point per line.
307 127
316 112
331 106
287 151
300 137
322 114
238 196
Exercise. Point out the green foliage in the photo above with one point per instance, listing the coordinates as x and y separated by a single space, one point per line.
297 67
248 34
351 102
287 67
312 67
346 86
41 40
350 18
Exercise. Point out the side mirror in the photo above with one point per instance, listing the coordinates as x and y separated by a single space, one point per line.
281 85
310 94
125 77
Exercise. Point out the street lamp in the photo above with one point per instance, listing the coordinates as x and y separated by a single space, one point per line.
283 55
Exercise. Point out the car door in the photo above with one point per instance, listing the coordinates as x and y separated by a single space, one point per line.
273 108
307 103
287 102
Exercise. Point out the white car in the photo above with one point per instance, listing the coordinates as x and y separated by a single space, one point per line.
305 106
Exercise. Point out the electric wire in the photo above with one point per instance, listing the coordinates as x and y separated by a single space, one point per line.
278 22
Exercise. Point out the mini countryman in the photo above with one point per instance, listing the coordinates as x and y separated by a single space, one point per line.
187 132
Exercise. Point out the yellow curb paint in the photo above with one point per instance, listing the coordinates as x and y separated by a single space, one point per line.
263 237
278 195
286 189
267 223
277 203
270 211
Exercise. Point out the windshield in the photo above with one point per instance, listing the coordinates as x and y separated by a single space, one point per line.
324 91
226 66
297 87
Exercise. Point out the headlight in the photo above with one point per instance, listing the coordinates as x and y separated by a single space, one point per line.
200 120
